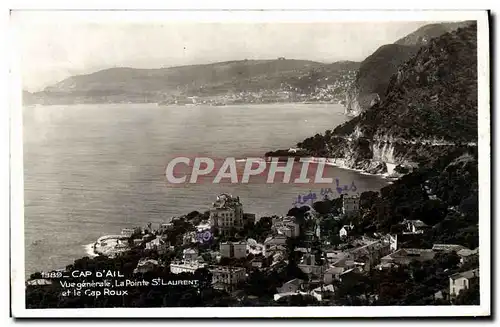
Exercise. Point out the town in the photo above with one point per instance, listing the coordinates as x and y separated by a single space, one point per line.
315 255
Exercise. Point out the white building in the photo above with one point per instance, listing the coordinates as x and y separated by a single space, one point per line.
157 244
227 276
350 205
345 231
146 266
415 227
190 254
293 285
462 281
226 214
190 267
287 226
233 249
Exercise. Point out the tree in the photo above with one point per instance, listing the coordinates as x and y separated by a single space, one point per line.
323 207
470 296
368 199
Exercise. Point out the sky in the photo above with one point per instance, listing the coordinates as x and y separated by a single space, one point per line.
51 52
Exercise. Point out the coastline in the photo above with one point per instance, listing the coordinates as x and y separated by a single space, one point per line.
184 105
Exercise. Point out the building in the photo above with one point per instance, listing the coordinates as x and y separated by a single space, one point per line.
393 241
233 249
308 265
415 226
287 226
467 255
332 273
128 232
333 255
346 231
148 237
350 205
371 251
226 214
293 286
274 241
147 265
448 248
323 292
39 282
405 256
462 281
190 255
158 244
224 277
189 267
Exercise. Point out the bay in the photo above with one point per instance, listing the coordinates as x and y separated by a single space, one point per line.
91 170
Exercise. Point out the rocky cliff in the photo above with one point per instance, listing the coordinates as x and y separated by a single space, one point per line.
373 76
372 79
429 109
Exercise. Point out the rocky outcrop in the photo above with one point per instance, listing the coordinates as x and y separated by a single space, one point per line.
373 77
430 109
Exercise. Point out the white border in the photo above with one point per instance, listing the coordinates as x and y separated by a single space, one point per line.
17 210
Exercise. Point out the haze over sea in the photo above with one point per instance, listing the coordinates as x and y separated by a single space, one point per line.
91 170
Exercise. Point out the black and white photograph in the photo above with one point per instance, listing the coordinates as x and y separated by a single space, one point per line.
250 163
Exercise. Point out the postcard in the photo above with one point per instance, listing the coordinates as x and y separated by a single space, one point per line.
250 164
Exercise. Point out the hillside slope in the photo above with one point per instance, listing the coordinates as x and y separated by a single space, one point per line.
372 79
217 79
430 107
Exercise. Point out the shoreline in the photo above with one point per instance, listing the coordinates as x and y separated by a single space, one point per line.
180 106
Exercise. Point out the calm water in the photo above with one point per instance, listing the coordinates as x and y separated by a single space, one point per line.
91 170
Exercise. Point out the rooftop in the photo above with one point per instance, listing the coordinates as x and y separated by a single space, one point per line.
275 237
226 269
466 274
410 252
334 270
39 281
238 243
226 201
417 223
190 264
448 247
467 252
295 281
147 261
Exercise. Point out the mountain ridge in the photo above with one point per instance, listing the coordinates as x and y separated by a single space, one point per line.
430 108
373 76
127 84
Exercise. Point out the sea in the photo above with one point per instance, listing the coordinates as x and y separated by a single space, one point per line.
91 170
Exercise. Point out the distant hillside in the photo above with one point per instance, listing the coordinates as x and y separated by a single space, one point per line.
375 71
210 80
28 98
430 108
